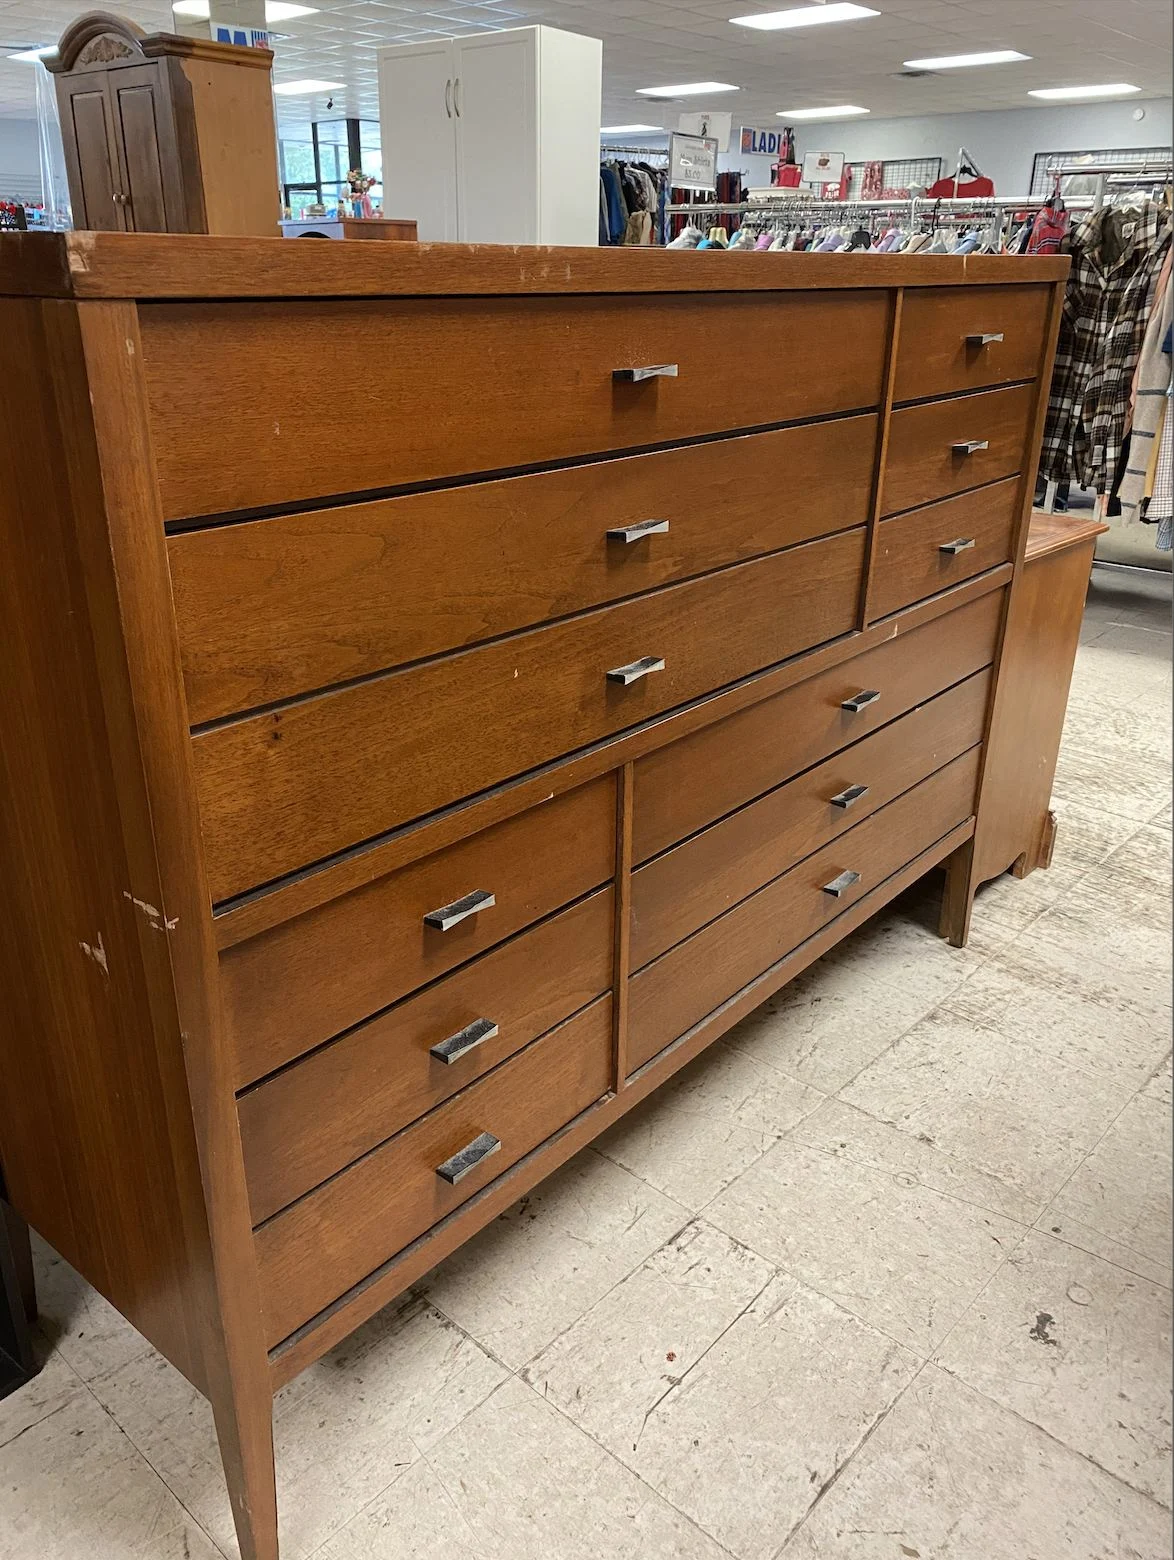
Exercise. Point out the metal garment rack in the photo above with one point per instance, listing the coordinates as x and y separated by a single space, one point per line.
1112 177
607 153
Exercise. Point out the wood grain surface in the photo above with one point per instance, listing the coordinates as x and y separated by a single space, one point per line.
909 563
937 359
922 465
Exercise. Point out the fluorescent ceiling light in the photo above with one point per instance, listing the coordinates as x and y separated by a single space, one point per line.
804 16
631 129
686 89
844 111
294 88
31 56
1106 89
275 10
960 61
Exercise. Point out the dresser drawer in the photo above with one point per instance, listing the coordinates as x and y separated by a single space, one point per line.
305 981
681 788
928 550
403 745
318 1116
677 990
330 1240
700 879
279 607
945 447
445 387
964 338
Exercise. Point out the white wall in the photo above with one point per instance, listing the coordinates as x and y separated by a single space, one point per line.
20 164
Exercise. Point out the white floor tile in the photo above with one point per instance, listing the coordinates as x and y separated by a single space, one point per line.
55 1385
86 1329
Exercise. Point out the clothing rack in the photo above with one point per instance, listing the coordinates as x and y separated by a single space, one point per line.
1119 175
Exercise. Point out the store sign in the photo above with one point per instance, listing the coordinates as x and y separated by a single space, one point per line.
823 167
762 143
243 37
693 162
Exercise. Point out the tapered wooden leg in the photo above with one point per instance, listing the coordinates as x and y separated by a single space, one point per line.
958 896
244 1428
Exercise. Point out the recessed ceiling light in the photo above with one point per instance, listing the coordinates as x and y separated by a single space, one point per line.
686 89
960 61
275 10
804 16
294 88
631 129
31 56
1106 89
843 111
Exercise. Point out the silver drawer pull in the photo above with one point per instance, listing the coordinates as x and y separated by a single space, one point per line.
468 1158
958 545
970 446
448 916
638 375
634 670
840 886
861 701
984 338
636 533
464 1041
853 793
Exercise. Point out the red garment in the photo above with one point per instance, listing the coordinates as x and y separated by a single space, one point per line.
1048 231
947 189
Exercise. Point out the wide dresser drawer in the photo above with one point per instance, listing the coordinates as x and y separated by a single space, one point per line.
400 746
256 405
944 447
330 1240
965 338
929 549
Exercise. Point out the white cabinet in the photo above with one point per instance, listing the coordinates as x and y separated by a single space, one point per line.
494 138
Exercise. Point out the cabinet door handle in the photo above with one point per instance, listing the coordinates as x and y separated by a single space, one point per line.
465 1040
448 98
468 1158
448 916
637 532
984 338
958 545
636 669
840 886
969 446
652 371
456 96
847 797
861 701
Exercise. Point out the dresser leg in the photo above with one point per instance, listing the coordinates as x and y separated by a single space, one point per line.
244 1428
958 896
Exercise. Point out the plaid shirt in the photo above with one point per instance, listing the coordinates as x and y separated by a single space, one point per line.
1106 306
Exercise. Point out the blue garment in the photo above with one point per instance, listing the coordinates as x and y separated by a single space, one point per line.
617 219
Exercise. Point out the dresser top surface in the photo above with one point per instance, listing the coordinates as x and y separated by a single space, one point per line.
189 265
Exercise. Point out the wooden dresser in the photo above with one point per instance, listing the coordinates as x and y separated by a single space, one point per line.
445 689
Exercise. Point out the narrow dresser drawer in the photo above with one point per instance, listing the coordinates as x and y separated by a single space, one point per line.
315 1251
700 879
400 746
964 338
944 447
305 981
929 549
313 1119
445 387
278 607
677 990
681 788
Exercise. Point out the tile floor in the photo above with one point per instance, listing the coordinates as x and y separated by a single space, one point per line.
885 1274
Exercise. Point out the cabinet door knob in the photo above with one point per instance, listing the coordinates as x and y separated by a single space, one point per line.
861 701
448 98
847 797
636 533
468 1158
958 545
637 375
969 446
840 886
120 199
984 338
636 669
448 916
465 1040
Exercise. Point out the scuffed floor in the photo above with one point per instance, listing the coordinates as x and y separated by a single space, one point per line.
885 1275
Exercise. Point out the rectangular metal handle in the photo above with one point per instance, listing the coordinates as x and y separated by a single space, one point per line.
468 1158
651 371
959 544
636 669
851 794
839 886
465 1040
969 446
635 533
449 916
861 701
984 338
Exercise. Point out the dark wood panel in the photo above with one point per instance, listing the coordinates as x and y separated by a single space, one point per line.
314 1118
319 1248
937 358
677 990
307 980
408 743
461 385
909 562
279 607
681 788
702 878
91 154
922 463
140 107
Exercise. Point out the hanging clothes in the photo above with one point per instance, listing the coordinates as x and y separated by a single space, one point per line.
1151 393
